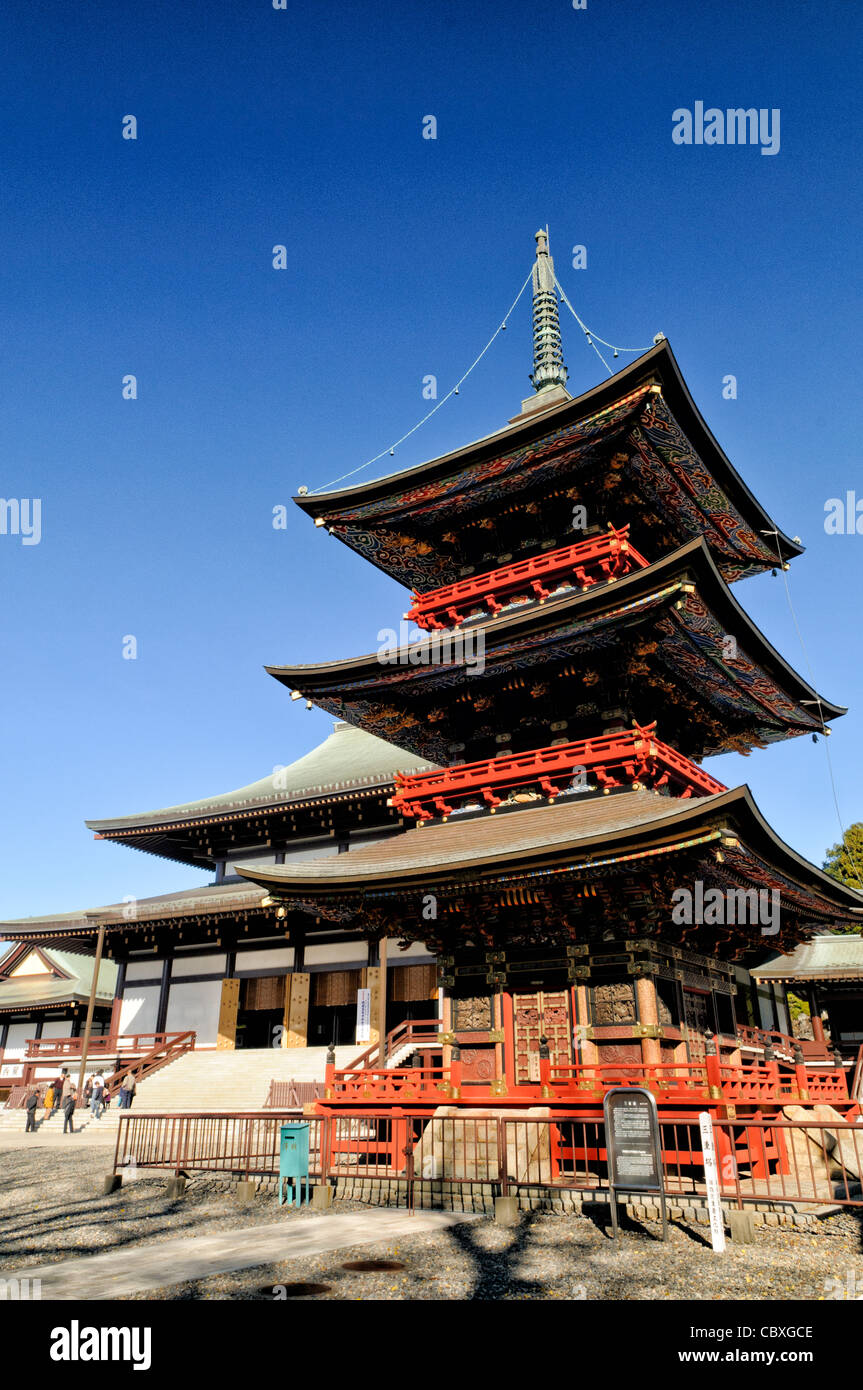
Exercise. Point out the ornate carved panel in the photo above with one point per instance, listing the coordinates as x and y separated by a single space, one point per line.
477 1064
536 1016
698 1017
472 1015
613 1004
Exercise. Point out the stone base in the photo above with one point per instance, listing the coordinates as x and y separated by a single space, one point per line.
506 1211
175 1187
112 1183
742 1224
246 1190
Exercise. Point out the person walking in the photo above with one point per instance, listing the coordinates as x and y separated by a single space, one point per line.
58 1090
30 1105
88 1091
67 1087
69 1098
130 1089
96 1099
49 1100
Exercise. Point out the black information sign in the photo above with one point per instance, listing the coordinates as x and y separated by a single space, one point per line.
633 1146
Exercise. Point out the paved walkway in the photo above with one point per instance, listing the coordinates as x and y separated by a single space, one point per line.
50 1138
154 1266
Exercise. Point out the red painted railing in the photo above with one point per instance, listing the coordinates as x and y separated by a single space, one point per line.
174 1046
612 760
596 560
421 1031
679 1083
128 1044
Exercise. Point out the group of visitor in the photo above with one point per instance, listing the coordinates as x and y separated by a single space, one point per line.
62 1094
59 1095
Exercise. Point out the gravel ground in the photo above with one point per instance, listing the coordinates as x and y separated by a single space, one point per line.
53 1209
552 1256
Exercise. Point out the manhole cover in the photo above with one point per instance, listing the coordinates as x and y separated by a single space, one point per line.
373 1266
278 1291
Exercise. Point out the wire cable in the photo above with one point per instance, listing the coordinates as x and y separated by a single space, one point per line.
452 392
803 648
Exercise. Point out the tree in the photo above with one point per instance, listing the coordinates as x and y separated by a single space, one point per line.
845 861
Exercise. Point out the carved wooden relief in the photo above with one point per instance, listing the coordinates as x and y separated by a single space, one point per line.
473 1015
613 1004
536 1016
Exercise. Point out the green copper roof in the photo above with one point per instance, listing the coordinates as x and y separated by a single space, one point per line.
29 991
837 956
348 758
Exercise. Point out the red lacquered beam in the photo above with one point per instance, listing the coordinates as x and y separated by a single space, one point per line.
592 561
632 755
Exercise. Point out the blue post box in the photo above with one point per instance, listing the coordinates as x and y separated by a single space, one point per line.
294 1164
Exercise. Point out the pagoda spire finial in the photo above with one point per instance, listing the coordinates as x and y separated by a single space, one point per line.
548 365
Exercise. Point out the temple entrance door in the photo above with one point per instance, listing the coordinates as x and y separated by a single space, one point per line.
537 1015
696 1016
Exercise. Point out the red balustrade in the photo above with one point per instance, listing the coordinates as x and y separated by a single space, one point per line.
107 1045
596 560
613 760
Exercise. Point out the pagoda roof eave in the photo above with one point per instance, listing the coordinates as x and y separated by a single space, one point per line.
207 900
657 364
596 829
692 560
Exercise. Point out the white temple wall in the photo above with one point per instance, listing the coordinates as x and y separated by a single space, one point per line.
16 1039
274 958
346 953
148 969
139 1008
199 965
195 1006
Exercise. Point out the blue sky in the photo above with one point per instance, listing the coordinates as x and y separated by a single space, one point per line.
302 127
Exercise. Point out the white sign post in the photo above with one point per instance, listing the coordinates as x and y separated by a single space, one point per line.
364 1015
711 1178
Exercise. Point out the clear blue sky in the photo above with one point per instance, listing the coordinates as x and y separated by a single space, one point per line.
303 127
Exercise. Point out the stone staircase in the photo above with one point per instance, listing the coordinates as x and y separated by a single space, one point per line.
216 1080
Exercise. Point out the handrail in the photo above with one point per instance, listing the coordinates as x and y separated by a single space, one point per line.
154 1060
103 1046
611 554
856 1091
396 1038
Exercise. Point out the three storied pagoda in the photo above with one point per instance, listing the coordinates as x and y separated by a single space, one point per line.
592 893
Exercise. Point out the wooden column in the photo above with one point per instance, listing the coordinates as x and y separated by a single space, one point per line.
118 1000
645 999
286 1011
228 1006
162 1010
382 1002
588 1052
298 1015
373 985
91 1004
